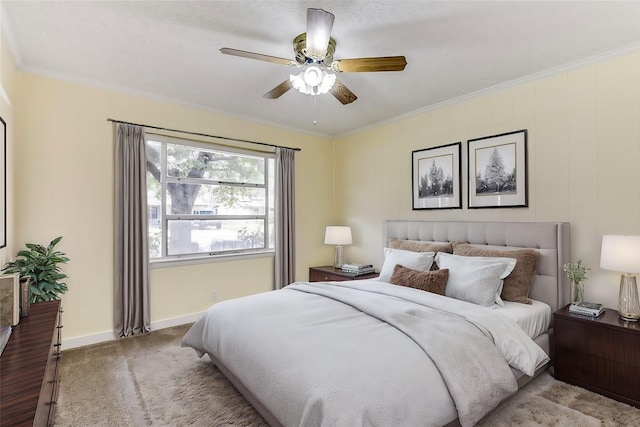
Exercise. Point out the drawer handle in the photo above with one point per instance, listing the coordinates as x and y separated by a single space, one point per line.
60 327
57 345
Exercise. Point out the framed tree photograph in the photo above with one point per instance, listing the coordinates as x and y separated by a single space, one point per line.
436 177
498 171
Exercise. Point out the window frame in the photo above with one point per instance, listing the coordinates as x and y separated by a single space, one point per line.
166 260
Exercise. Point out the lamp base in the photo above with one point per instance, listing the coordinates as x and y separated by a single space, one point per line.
628 303
338 257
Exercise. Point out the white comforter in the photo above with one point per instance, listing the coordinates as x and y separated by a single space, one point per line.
366 353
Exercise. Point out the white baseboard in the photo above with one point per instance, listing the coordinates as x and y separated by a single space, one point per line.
69 343
176 321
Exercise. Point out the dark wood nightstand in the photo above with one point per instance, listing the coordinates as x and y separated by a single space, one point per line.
601 354
330 274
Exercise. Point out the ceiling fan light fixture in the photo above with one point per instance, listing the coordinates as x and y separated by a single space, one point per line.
313 76
313 81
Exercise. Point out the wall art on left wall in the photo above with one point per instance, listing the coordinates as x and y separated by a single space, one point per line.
3 185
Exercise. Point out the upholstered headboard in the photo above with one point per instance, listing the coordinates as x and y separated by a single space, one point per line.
552 240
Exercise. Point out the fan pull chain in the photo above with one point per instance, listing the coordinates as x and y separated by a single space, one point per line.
315 109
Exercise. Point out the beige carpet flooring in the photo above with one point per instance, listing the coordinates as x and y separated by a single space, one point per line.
150 381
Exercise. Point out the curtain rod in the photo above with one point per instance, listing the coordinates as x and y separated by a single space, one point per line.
202 134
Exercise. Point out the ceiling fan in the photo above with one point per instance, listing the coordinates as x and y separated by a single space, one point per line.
314 52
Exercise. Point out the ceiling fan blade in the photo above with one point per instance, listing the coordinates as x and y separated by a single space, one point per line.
342 93
359 65
258 56
319 25
279 90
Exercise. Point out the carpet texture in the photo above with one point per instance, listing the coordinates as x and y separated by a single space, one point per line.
150 381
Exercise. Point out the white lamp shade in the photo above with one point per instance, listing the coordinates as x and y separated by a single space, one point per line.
337 235
620 253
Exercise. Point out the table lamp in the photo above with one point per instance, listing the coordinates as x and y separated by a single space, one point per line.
337 235
622 253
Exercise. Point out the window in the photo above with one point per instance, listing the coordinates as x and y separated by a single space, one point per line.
207 200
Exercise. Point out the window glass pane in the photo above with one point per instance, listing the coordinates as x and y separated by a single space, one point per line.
194 162
153 158
155 243
239 234
153 199
190 237
271 204
183 239
199 199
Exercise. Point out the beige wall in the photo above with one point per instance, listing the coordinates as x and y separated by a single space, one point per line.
584 158
8 80
64 186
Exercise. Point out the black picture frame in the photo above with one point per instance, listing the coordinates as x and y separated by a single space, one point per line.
497 171
445 165
3 186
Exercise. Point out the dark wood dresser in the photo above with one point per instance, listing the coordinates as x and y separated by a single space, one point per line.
328 273
600 354
29 368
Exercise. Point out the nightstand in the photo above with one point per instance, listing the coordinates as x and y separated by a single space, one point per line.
601 354
330 274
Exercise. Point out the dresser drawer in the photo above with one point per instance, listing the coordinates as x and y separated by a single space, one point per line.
323 276
616 346
49 390
602 375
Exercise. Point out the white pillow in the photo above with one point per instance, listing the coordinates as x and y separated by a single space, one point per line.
416 260
475 279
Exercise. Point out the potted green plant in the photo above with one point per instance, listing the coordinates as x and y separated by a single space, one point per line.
41 265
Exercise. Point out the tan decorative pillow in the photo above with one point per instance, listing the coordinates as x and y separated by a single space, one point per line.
518 283
430 281
418 246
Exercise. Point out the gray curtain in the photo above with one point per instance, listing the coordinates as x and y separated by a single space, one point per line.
131 249
285 217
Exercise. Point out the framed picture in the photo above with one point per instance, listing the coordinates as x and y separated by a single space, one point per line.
436 177
498 171
3 184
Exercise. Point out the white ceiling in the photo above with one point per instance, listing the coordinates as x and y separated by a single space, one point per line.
170 50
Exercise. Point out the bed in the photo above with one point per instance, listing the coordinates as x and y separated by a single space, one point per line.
362 353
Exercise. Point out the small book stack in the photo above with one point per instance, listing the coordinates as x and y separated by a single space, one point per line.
358 269
587 309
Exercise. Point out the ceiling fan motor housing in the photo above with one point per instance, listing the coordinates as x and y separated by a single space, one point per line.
299 48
